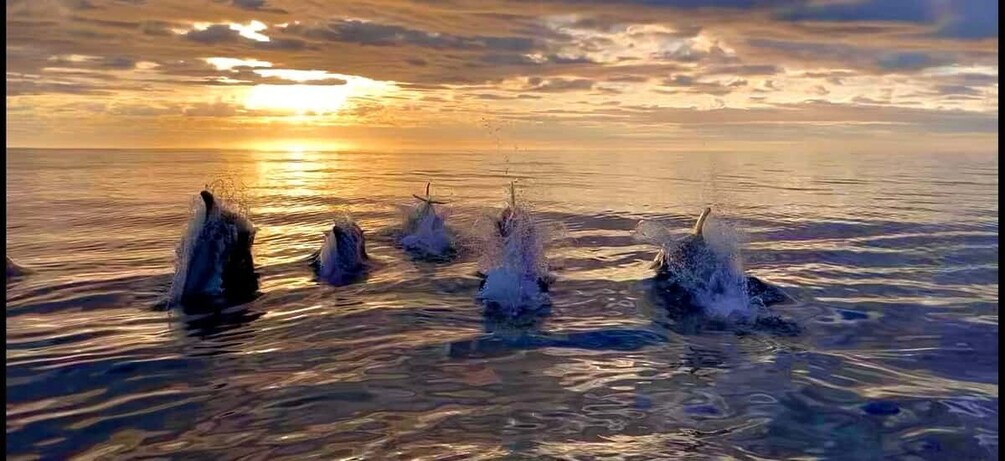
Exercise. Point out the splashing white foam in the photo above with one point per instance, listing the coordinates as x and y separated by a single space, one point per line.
713 273
229 202
514 265
340 259
426 233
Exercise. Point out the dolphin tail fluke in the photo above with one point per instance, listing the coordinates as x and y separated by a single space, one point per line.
700 225
428 199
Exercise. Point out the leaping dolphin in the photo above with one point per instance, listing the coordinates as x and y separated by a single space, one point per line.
516 280
505 222
425 233
343 256
215 260
690 265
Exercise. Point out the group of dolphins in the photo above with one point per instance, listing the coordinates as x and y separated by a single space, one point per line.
215 264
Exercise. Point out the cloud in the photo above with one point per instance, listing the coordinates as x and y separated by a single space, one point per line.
959 19
958 90
972 20
583 58
745 69
909 61
216 33
91 62
867 59
863 11
557 85
378 34
32 87
216 109
679 80
695 86
156 28
628 78
249 4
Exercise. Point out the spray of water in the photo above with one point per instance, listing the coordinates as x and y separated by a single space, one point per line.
425 234
514 262
197 266
341 256
708 270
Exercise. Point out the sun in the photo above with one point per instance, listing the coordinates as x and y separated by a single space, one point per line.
311 92
298 99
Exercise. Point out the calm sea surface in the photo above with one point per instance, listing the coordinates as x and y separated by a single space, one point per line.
893 260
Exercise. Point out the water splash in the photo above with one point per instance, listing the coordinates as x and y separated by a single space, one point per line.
707 272
514 262
425 234
202 228
342 256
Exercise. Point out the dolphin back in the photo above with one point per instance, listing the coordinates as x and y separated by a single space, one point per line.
215 258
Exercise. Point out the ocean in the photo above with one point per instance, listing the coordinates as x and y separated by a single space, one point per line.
892 261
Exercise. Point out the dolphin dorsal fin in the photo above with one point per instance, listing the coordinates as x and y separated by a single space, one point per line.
208 199
700 224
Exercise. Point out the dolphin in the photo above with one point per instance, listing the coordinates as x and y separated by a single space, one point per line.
14 270
505 223
343 254
425 233
517 282
215 260
691 263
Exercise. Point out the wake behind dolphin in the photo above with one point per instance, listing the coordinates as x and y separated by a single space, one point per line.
214 260
514 267
695 274
342 256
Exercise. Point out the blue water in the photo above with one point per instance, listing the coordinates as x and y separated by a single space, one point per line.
893 261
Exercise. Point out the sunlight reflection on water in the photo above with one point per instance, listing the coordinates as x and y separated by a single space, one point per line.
893 260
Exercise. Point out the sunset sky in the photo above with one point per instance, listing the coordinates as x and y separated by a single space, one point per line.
678 75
